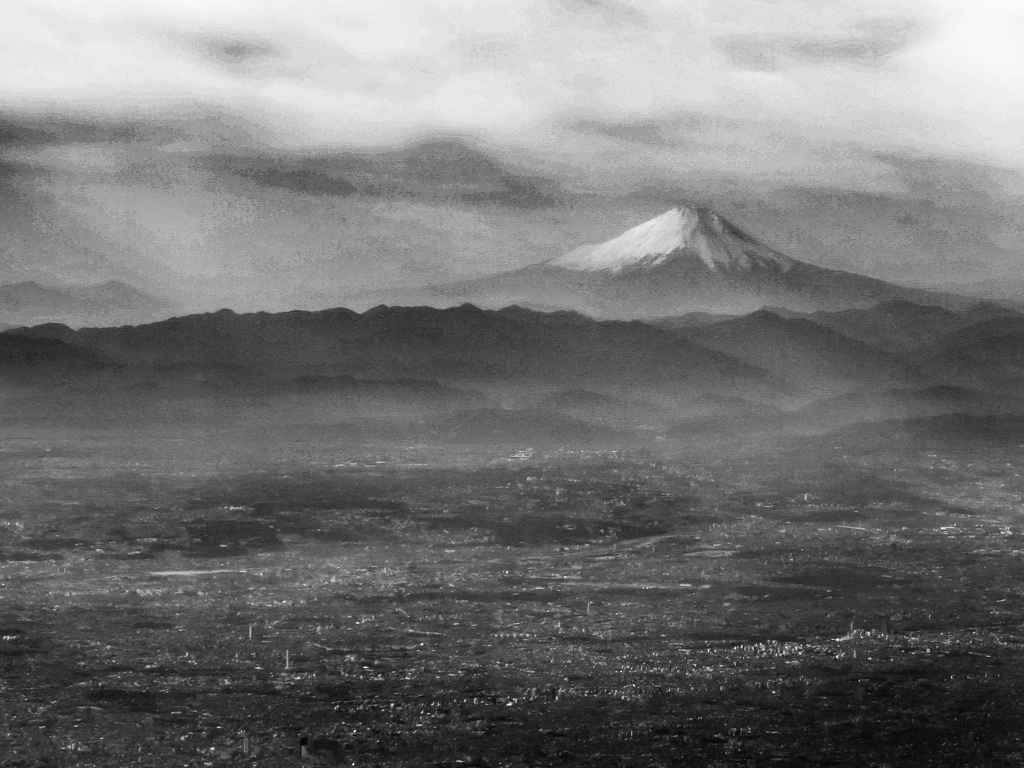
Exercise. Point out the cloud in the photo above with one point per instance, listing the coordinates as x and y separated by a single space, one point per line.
258 146
272 230
648 132
446 170
314 72
944 76
304 180
237 51
869 42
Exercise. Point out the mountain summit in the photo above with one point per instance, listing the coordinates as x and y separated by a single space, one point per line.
683 232
688 259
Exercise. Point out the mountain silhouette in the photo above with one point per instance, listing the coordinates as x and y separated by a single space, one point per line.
802 352
688 259
463 343
904 326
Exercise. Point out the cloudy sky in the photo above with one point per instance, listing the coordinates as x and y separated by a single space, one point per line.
269 154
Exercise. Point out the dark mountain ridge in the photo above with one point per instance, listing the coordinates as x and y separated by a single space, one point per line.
461 343
40 360
802 351
904 326
988 354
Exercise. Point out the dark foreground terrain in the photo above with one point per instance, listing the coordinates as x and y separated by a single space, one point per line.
179 600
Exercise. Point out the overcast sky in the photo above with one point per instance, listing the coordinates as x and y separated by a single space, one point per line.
275 154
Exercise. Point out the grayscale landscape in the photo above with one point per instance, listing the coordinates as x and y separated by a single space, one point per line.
574 384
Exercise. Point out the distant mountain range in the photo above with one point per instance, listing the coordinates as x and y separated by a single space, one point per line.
109 303
988 353
683 328
463 343
514 372
686 260
803 352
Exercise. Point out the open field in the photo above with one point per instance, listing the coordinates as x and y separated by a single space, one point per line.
208 599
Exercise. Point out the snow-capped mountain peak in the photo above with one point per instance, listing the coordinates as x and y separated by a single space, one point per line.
688 259
684 232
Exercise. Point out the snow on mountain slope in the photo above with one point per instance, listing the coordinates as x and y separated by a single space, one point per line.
686 260
681 233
